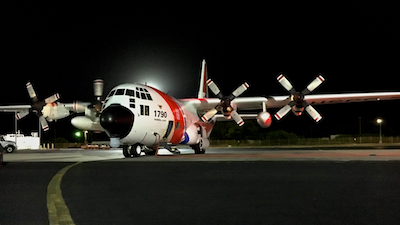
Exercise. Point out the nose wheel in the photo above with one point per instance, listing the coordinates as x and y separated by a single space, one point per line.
132 151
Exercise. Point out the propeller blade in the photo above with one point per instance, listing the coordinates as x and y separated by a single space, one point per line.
282 112
313 113
235 116
214 88
209 115
242 88
98 86
21 114
52 98
314 84
43 123
31 92
286 83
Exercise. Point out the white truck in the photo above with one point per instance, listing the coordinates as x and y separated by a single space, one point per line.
8 146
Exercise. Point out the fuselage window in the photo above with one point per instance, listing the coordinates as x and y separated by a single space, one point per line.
142 93
144 110
130 92
111 93
120 92
132 103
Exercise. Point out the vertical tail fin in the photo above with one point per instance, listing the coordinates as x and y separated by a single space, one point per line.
203 90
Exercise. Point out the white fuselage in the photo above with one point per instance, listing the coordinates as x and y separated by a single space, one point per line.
156 117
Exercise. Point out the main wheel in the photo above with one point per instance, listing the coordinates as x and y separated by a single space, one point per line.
198 148
136 150
126 151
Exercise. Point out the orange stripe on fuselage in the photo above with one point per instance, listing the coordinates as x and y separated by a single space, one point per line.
178 117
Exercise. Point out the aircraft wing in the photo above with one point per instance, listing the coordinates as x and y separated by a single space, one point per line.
14 108
220 117
351 97
73 107
256 103
244 103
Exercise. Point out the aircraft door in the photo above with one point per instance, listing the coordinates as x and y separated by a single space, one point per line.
169 129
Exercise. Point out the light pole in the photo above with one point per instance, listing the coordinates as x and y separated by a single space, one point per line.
379 121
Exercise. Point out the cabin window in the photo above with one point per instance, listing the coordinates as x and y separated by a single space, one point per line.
111 93
143 93
130 92
120 92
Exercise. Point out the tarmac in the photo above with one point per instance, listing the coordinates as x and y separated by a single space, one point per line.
212 154
223 186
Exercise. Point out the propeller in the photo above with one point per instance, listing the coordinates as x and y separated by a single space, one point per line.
225 104
37 106
98 87
94 108
297 99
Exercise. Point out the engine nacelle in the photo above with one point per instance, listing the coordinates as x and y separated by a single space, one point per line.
192 135
54 111
264 119
84 123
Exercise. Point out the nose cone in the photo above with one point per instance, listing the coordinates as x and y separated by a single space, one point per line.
117 120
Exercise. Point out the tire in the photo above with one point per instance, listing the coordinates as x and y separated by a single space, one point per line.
198 148
136 150
9 148
126 151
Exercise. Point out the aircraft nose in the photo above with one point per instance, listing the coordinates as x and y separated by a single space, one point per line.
117 120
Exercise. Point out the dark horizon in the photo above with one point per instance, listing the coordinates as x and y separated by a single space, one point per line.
63 48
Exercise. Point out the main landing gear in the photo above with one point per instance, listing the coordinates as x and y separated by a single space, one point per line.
132 151
137 149
198 148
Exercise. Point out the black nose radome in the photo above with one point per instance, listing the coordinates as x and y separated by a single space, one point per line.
117 120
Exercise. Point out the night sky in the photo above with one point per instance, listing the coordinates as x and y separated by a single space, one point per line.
64 47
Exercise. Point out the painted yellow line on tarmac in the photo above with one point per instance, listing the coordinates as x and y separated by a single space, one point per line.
56 207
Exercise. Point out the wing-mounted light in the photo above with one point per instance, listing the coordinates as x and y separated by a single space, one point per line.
297 99
225 104
37 106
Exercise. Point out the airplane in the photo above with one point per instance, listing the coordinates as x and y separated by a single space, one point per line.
141 118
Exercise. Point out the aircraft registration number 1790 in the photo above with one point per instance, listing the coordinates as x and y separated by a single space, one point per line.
159 113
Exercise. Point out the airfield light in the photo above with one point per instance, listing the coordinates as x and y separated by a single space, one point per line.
379 121
78 134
